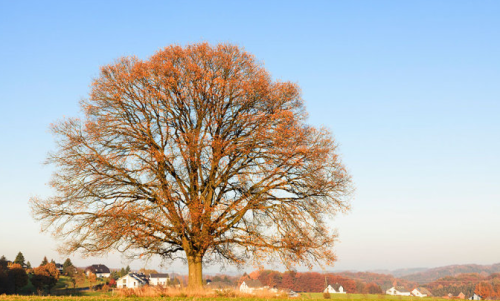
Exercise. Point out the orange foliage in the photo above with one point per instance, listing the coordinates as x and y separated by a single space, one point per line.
301 282
45 276
195 150
485 290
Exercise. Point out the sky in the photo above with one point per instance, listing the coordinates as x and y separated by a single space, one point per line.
410 90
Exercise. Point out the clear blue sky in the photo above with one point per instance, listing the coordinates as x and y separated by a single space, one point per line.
411 90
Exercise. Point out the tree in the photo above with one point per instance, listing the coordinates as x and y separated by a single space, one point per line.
373 288
79 277
19 259
68 267
18 276
44 261
6 285
148 271
3 263
92 280
484 289
45 276
114 275
28 265
195 151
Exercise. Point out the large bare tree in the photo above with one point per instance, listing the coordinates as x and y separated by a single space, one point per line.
196 151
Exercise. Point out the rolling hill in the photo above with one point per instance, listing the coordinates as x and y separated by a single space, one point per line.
429 275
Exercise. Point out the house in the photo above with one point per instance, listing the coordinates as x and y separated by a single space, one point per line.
132 280
159 279
219 285
59 267
100 270
334 289
461 296
398 291
421 292
475 297
249 286
291 293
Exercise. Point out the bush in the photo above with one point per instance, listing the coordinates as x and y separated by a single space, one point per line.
326 295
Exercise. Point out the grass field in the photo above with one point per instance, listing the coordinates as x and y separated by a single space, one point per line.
304 296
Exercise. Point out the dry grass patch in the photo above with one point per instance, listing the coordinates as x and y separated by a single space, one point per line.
158 291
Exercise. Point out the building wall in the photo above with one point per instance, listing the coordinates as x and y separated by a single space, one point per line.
158 281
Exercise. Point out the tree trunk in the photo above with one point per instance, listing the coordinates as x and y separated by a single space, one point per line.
195 280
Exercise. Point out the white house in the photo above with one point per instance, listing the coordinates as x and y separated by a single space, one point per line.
59 267
249 286
398 291
100 270
475 297
421 292
132 280
331 289
159 279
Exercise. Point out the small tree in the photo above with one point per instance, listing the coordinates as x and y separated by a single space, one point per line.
373 288
114 275
44 261
28 266
45 276
3 263
19 259
68 267
6 285
92 280
18 276
79 277
484 289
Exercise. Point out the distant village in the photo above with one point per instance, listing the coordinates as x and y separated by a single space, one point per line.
18 276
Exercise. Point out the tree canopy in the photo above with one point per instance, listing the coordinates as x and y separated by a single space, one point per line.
195 151
19 259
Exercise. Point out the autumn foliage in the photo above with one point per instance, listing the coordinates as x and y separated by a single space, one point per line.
301 282
18 276
195 150
486 286
45 277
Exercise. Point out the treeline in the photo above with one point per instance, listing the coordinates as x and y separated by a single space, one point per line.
310 281
486 286
19 277
18 274
434 274
385 281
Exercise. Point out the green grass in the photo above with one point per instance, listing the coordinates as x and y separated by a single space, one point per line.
65 281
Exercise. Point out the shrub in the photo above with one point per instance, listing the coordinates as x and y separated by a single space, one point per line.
326 295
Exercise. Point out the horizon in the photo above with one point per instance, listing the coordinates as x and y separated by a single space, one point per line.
409 90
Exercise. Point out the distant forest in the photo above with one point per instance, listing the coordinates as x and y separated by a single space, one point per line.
450 285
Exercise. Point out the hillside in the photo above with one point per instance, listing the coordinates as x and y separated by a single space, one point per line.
430 275
408 271
385 281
